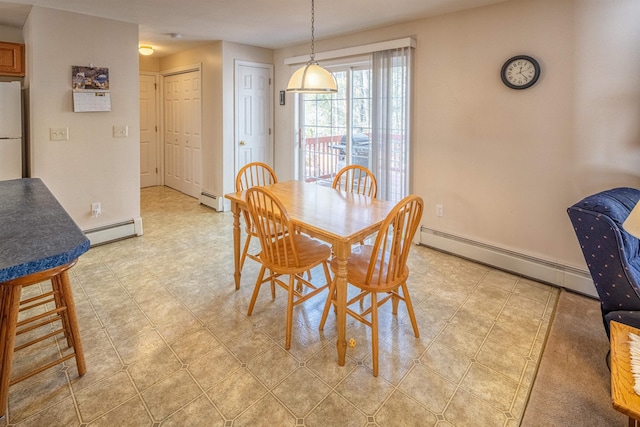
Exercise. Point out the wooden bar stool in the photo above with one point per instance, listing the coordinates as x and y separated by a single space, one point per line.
64 311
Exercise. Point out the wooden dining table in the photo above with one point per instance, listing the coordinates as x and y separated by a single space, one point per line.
335 217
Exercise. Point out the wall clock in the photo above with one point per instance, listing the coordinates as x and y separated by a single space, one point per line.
520 72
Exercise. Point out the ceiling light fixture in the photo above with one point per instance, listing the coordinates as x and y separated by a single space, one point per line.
311 77
145 50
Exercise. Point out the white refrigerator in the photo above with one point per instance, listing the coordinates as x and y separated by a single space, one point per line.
10 130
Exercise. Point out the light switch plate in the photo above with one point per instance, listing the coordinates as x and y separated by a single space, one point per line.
59 134
121 131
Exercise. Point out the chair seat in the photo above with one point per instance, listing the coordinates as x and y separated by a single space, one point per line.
357 266
310 253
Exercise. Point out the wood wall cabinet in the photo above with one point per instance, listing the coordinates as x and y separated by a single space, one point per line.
11 59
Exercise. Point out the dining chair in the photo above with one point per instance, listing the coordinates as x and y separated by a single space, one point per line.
381 269
284 252
356 179
251 175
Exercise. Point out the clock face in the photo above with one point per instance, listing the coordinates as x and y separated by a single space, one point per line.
520 72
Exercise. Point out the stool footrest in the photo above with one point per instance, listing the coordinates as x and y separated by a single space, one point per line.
42 368
40 324
39 339
24 306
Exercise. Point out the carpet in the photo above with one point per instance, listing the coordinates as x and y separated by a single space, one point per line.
572 386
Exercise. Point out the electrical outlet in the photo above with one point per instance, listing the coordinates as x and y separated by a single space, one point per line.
96 209
439 210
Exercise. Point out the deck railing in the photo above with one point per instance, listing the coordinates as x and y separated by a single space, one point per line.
323 159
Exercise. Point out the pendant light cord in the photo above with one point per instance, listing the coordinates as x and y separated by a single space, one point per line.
313 55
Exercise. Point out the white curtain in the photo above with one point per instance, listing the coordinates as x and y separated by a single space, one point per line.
391 89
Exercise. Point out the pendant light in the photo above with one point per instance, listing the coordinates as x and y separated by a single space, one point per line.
311 77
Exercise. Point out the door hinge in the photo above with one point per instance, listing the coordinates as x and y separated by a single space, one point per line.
155 86
269 131
269 81
156 128
156 170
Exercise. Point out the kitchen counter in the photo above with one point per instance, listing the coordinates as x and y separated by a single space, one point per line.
36 233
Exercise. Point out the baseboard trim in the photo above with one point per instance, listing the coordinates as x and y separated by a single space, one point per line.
535 268
213 201
113 232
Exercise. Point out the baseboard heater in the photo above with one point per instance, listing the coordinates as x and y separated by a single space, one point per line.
113 232
525 265
213 201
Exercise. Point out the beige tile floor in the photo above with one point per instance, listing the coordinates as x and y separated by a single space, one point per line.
168 342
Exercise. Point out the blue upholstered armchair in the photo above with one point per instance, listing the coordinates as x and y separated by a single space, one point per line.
612 254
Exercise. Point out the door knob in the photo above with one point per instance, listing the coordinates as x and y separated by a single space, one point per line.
242 143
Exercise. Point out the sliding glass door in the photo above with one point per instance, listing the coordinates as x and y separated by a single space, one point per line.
365 123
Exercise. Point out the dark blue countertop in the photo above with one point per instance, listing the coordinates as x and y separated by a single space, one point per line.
36 233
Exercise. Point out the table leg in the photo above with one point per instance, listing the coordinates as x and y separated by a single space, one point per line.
236 243
342 252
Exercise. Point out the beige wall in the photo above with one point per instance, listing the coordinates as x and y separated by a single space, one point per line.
506 164
11 34
149 63
92 166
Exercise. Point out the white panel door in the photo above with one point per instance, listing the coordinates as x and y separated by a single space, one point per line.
183 132
253 114
191 133
148 131
172 150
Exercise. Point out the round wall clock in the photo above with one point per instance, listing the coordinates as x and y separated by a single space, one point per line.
520 72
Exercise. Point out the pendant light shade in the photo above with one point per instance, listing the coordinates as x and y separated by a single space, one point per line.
311 77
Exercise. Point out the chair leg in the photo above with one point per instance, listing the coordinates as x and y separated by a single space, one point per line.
374 332
287 343
245 250
273 285
327 275
256 290
327 305
394 302
412 316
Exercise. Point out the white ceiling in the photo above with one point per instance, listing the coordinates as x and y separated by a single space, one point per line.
265 23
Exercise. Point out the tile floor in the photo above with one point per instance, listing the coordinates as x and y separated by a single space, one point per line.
168 342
